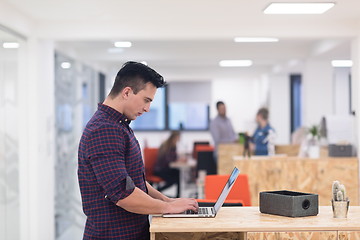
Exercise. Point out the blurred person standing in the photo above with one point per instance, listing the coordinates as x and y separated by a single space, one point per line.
167 154
263 137
221 128
115 196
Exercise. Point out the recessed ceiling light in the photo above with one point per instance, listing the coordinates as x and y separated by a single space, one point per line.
235 63
123 44
255 39
298 8
10 45
341 63
65 65
115 50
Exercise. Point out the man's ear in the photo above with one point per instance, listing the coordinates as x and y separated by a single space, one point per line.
126 92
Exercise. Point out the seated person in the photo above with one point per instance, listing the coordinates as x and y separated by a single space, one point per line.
263 133
167 154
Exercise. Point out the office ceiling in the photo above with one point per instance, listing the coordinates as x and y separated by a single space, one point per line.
198 53
183 34
146 11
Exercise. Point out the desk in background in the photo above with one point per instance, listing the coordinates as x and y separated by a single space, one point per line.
184 170
292 173
248 223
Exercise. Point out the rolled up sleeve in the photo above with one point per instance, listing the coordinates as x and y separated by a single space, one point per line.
106 152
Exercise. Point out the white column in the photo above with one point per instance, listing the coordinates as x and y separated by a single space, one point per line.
355 75
317 85
36 127
279 107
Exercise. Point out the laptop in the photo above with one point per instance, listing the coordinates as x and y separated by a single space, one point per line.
210 211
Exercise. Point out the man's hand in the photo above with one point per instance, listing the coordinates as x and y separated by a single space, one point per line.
181 204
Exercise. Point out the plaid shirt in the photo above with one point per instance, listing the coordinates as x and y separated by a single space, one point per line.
110 166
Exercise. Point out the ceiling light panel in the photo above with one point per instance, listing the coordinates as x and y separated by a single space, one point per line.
10 45
123 44
341 63
235 63
65 65
255 39
298 8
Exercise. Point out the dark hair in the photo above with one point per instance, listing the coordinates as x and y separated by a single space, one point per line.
219 103
169 143
135 75
264 113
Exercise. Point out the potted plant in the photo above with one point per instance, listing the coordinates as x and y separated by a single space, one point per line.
313 143
340 202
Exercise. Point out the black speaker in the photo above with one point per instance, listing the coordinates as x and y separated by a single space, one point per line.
289 204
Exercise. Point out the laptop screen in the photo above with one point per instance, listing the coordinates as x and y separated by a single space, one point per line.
226 189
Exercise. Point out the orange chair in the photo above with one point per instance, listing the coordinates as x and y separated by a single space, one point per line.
202 148
198 143
239 193
150 157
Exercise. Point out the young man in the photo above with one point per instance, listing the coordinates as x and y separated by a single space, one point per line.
116 198
221 128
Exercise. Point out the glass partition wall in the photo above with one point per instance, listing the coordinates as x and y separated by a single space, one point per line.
9 140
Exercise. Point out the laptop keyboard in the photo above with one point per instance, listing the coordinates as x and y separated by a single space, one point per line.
200 211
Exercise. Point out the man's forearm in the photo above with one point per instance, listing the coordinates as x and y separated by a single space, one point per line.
141 203
156 194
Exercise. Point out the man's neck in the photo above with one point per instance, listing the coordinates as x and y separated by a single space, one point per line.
263 124
111 102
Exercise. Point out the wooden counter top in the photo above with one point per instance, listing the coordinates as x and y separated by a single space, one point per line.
249 219
287 158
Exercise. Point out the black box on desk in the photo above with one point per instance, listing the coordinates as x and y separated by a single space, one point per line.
336 150
289 204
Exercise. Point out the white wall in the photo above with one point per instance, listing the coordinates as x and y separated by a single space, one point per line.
355 76
317 81
279 107
341 91
242 98
37 134
9 144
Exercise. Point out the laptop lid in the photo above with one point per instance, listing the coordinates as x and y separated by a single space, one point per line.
226 190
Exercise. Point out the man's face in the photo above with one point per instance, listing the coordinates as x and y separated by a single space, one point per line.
139 103
258 119
222 110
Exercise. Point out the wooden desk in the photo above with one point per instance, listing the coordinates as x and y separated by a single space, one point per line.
249 223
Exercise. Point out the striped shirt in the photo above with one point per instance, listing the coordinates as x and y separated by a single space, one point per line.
110 166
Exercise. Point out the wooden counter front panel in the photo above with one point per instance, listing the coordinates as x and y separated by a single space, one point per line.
304 175
292 235
349 235
201 236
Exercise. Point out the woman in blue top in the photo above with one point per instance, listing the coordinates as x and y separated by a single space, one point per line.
260 139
